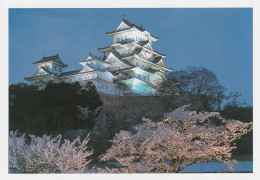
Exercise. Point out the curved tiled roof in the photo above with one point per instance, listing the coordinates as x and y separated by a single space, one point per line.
69 73
92 57
131 25
119 57
156 60
45 69
54 58
129 42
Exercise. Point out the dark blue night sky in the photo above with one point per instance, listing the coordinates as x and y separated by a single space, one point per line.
218 39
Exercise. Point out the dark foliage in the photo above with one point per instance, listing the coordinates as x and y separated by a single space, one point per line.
198 81
244 114
53 108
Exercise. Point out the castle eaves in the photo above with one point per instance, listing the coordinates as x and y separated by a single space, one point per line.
54 58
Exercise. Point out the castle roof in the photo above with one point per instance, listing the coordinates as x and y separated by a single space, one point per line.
45 69
35 75
138 44
91 57
136 79
54 58
119 57
156 60
69 73
135 55
131 25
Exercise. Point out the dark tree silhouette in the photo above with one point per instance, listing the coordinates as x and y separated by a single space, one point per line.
54 108
198 81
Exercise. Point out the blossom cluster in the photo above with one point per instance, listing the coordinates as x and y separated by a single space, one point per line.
48 155
182 139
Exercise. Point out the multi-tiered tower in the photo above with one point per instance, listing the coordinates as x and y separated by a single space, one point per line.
137 66
129 66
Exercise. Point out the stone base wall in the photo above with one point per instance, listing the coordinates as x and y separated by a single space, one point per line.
123 112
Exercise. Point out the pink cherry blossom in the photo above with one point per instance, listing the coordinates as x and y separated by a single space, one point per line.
182 139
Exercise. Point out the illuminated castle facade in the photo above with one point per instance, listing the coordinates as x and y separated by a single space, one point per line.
129 66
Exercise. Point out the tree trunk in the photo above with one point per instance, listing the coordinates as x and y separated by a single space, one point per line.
173 166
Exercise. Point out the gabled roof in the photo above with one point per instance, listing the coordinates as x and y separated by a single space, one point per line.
36 76
119 58
145 60
45 69
146 44
137 51
156 60
131 25
86 68
145 48
142 45
121 43
54 58
91 57
122 76
161 63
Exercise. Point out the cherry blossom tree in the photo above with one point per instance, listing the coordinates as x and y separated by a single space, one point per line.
182 139
48 155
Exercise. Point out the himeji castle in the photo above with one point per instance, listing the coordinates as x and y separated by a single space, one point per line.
130 66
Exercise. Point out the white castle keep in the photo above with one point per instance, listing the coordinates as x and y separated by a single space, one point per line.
129 66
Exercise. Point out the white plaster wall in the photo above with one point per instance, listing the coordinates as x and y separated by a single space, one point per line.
149 55
124 36
139 63
130 35
155 79
107 88
125 50
106 76
98 65
57 70
114 62
45 65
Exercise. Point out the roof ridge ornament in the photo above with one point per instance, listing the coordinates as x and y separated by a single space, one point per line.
123 16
